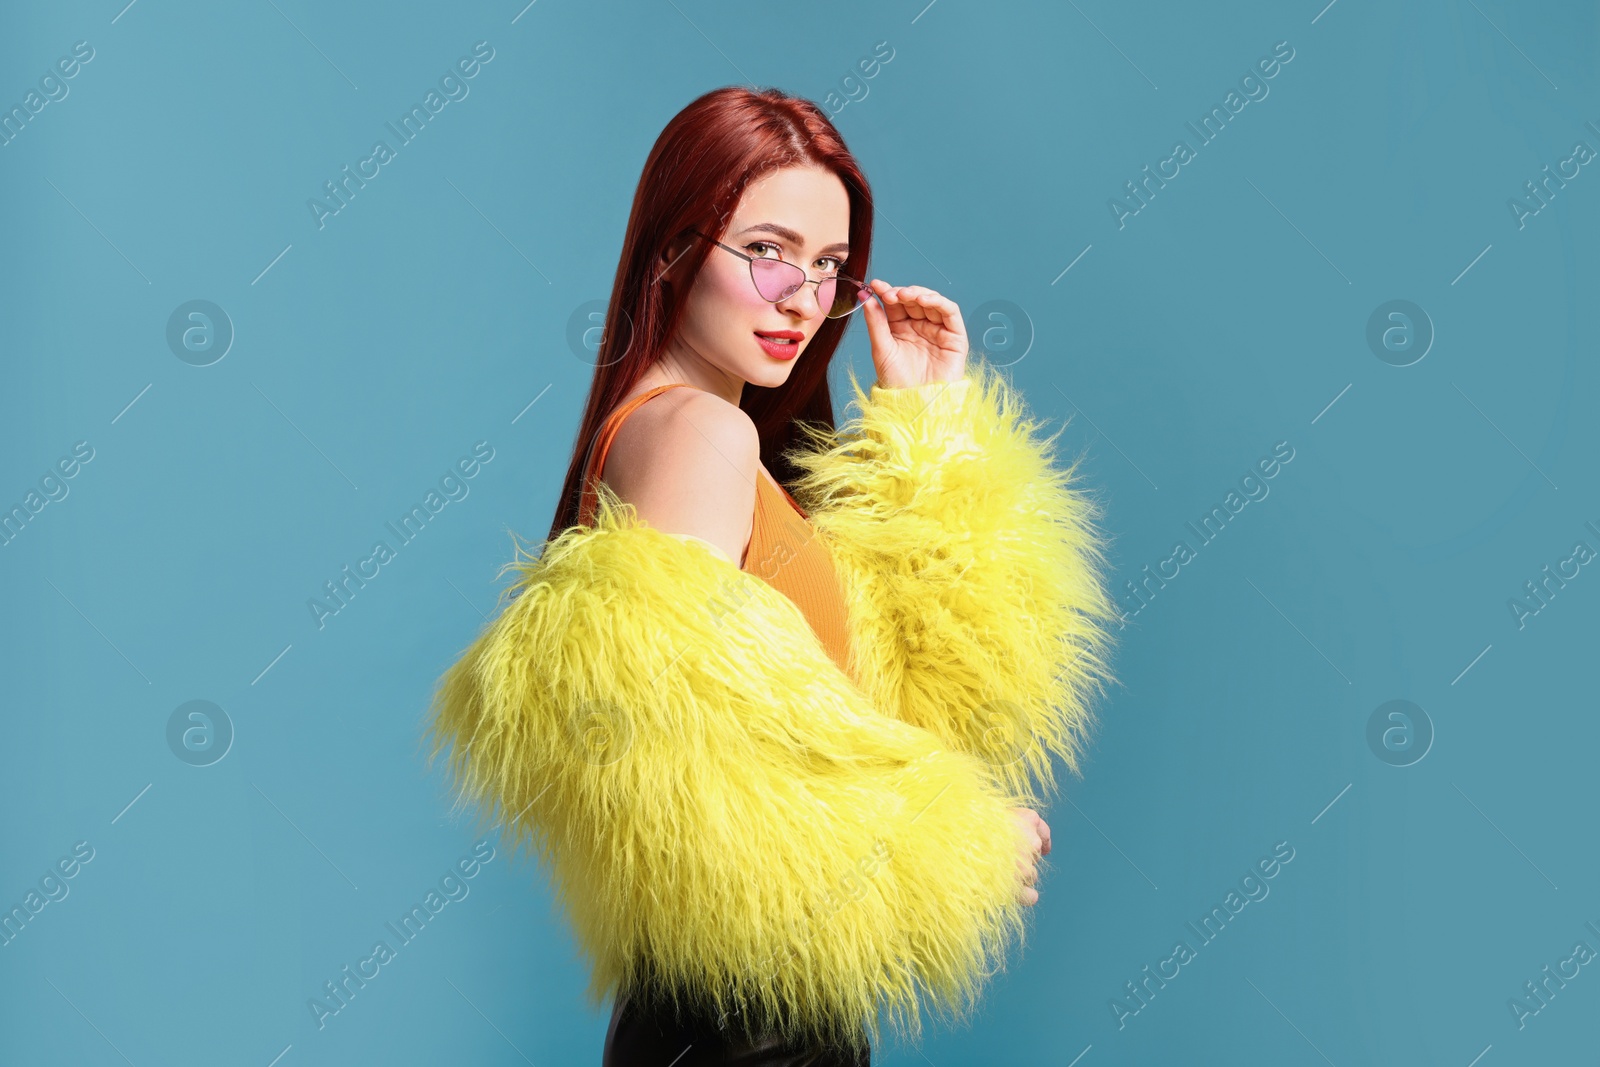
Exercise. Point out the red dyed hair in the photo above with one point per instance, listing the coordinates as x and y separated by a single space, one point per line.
693 178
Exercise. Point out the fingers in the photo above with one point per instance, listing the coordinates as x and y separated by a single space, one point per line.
1027 876
1038 832
918 302
1041 829
885 293
878 318
1035 843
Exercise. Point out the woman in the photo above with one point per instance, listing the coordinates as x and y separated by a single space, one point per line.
784 796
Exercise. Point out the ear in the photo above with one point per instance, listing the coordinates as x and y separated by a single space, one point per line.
672 254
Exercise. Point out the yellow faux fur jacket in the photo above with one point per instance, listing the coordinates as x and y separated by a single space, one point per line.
722 809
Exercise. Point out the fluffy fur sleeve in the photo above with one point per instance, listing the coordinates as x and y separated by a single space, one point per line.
972 567
719 805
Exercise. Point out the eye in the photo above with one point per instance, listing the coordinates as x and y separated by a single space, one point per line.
753 245
838 264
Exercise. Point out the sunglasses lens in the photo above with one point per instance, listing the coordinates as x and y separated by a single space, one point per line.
776 280
847 295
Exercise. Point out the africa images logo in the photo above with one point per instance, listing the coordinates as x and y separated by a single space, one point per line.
452 84
453 486
1253 84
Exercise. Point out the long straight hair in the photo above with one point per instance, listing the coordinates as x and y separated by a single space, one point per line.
693 179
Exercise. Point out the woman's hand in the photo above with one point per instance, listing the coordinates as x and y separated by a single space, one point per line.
917 336
1034 844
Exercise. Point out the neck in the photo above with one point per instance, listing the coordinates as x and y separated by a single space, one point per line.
680 364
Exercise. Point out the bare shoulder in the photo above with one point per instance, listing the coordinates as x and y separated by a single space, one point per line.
687 461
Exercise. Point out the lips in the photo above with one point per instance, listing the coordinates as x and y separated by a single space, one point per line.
780 344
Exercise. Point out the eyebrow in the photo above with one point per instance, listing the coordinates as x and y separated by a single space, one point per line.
791 236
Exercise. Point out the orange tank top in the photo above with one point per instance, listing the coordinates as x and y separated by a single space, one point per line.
784 550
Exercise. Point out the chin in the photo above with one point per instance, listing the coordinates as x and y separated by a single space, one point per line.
774 375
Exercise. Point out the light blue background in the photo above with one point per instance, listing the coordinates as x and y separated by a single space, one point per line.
1226 316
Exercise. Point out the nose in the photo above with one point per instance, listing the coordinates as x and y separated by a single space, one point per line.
802 302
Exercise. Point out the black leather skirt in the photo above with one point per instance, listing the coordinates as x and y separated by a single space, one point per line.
646 1031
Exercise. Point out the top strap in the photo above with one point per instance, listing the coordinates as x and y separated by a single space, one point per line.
595 460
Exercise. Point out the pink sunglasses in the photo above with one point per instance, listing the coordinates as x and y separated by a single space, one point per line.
777 280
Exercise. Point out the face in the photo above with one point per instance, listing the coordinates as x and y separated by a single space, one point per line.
798 214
